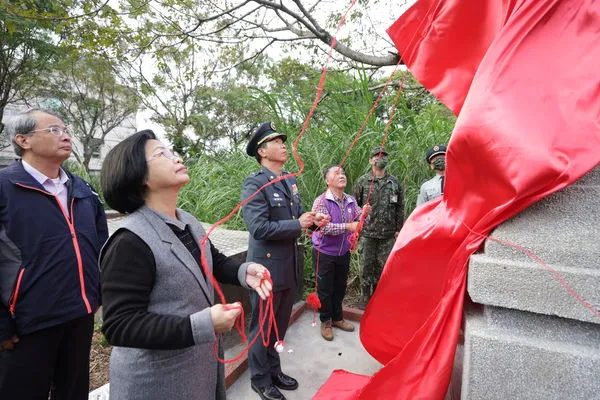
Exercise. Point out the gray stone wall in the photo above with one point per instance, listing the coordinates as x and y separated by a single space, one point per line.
531 338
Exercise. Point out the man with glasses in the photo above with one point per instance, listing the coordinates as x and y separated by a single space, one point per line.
52 226
384 193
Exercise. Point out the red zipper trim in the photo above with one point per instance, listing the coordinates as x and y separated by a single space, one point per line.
75 242
79 261
13 300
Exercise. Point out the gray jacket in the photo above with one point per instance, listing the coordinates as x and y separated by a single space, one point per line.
179 289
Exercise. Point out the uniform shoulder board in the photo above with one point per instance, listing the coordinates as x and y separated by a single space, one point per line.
257 173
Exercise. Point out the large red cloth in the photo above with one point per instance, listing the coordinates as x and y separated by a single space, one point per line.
522 75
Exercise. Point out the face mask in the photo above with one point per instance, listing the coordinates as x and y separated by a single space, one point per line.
381 163
439 164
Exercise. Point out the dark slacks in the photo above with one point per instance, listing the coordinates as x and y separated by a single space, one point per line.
54 360
332 283
264 361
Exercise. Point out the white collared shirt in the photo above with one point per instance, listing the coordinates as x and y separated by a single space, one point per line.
430 189
56 186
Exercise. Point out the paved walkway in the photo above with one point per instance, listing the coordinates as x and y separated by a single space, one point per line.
311 360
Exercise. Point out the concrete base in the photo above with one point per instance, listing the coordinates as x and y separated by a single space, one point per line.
517 355
311 359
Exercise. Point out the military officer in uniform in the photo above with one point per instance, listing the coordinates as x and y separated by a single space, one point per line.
386 219
436 158
275 219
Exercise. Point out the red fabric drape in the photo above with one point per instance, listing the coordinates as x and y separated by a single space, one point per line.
523 77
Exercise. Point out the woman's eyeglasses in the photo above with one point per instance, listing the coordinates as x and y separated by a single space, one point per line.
166 153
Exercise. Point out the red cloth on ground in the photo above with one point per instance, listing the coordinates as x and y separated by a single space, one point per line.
523 77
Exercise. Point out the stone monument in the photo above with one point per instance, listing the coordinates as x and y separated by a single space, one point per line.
528 336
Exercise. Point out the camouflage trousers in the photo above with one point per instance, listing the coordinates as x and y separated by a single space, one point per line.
375 253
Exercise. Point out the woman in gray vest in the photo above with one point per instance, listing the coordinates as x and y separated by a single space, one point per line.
158 305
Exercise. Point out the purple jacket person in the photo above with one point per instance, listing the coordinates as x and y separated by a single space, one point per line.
331 249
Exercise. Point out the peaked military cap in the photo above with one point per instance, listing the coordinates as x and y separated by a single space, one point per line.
379 150
264 133
434 151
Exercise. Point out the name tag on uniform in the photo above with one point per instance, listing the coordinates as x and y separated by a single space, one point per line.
277 197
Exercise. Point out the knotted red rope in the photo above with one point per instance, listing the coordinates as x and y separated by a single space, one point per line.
209 275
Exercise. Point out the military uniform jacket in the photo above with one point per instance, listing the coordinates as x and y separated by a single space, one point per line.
430 190
272 220
387 202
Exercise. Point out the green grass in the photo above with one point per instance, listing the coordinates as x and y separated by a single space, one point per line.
420 121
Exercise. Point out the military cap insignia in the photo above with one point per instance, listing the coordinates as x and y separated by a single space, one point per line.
436 148
272 126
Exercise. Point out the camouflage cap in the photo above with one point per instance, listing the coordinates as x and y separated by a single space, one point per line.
378 150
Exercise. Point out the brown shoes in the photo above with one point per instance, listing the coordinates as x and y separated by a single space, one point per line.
344 325
326 330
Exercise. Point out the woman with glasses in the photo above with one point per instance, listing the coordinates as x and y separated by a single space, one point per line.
158 303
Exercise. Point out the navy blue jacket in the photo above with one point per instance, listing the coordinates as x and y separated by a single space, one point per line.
272 220
48 262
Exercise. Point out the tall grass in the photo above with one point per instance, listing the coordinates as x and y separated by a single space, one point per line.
215 186
420 121
78 169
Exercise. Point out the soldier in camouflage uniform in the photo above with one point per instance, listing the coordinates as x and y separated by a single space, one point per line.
385 221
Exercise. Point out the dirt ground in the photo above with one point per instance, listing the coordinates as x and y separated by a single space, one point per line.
99 356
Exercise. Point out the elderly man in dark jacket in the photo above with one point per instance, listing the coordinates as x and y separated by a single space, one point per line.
52 226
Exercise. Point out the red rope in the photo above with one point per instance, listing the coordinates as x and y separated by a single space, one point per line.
548 268
355 236
204 263
269 303
263 316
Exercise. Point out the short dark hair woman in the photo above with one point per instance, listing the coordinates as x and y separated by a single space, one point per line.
158 304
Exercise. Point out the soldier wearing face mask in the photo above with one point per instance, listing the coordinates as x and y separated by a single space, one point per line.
384 193
436 158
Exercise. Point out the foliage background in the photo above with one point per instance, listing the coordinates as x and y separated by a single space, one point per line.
420 121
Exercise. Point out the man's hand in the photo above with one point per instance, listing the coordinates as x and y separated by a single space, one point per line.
367 209
223 316
321 219
9 344
255 278
307 219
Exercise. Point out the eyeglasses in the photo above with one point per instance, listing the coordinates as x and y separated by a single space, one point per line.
54 130
166 153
